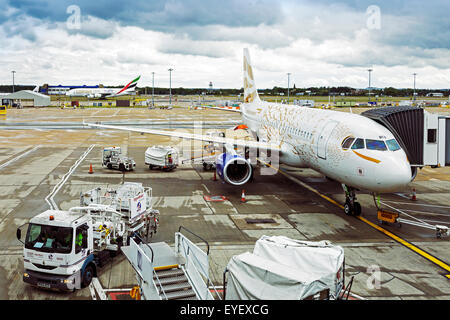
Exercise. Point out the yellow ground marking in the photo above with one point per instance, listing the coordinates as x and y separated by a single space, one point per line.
405 243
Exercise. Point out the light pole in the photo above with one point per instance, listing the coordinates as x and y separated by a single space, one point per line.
170 86
153 89
13 79
288 74
370 70
414 95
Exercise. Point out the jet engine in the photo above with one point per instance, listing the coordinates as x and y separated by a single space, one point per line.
233 169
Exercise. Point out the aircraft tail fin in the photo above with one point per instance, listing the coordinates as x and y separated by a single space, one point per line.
36 89
250 91
129 86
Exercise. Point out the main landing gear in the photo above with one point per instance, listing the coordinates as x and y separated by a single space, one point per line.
351 206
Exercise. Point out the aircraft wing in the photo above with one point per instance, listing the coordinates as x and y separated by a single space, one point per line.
232 109
191 136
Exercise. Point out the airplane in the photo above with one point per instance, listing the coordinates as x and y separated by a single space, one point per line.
104 92
349 148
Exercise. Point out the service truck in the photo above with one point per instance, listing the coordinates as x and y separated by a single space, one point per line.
63 250
113 159
163 157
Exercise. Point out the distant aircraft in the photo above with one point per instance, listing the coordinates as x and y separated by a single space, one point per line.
93 93
349 148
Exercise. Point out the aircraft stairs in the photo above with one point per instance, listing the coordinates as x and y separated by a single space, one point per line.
166 273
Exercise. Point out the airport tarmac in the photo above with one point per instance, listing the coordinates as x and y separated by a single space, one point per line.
32 162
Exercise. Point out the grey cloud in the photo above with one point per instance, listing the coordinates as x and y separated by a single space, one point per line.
160 15
195 48
94 27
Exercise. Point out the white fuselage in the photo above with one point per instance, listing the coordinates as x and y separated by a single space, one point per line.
97 92
313 138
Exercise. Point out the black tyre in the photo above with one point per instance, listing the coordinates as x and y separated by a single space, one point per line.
109 166
88 274
356 209
121 167
348 208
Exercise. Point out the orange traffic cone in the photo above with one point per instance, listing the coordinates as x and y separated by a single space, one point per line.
243 196
413 196
90 169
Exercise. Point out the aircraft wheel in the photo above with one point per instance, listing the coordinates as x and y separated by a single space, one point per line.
348 208
356 209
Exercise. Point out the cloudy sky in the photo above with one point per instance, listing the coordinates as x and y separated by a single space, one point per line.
320 42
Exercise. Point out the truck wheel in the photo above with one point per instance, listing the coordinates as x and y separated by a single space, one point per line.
87 276
121 167
109 166
150 166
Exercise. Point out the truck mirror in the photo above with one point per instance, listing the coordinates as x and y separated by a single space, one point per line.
19 234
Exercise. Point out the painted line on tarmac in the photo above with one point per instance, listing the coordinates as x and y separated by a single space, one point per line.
409 245
18 157
405 243
49 199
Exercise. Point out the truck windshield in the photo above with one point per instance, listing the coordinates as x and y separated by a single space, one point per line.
49 238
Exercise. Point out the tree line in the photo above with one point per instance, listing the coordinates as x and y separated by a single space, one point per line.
275 91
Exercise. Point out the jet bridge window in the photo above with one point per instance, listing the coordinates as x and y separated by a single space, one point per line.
359 144
431 135
376 145
347 143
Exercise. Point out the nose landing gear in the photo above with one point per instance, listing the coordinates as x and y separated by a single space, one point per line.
351 206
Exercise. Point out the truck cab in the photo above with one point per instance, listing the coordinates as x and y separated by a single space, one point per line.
113 159
58 251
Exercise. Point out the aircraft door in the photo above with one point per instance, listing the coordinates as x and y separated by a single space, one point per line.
323 139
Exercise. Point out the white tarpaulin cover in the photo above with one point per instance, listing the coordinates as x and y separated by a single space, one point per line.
287 269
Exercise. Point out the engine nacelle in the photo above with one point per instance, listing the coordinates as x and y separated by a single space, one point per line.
233 169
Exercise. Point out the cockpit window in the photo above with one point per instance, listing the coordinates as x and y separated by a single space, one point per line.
376 145
347 143
359 144
393 145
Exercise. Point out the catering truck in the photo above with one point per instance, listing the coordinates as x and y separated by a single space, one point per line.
163 157
64 249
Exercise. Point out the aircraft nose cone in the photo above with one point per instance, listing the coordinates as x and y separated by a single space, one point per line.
397 174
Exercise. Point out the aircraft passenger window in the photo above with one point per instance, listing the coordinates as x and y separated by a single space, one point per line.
392 145
359 144
376 145
347 143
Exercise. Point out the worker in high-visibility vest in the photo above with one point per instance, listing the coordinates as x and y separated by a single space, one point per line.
79 239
